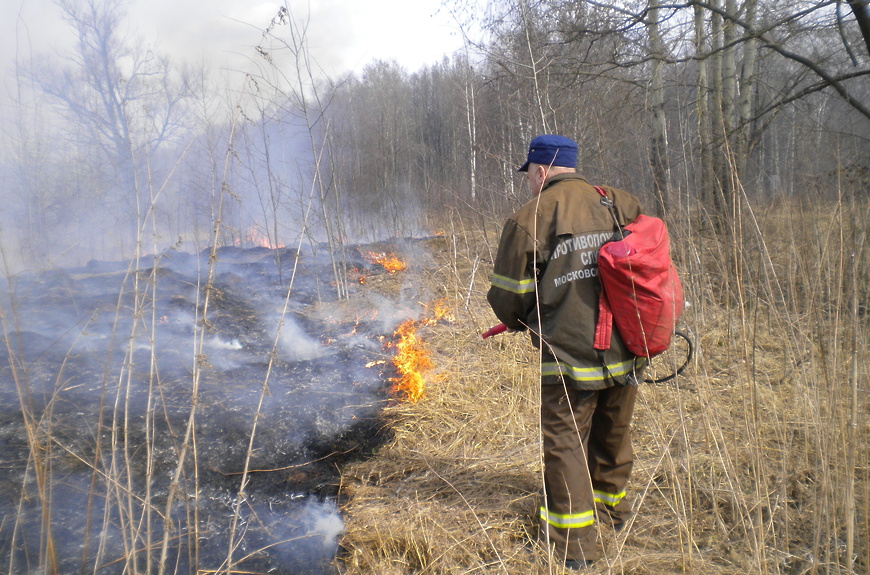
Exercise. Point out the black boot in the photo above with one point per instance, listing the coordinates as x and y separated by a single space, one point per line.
577 564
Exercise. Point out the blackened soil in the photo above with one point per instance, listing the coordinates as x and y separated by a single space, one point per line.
136 400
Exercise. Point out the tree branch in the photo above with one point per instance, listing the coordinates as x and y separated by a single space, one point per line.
788 54
861 10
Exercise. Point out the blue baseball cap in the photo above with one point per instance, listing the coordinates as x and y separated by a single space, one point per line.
551 150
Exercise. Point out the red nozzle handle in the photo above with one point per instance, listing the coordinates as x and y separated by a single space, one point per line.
494 330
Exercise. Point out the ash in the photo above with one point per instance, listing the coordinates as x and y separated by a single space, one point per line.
131 397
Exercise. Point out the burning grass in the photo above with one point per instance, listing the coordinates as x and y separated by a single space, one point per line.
411 361
388 260
754 461
276 413
412 358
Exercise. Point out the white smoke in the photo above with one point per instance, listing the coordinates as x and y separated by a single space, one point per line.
220 353
218 343
295 345
327 523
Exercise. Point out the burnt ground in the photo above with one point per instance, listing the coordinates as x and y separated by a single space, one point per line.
101 358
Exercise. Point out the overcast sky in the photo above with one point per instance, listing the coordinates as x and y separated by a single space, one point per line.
343 34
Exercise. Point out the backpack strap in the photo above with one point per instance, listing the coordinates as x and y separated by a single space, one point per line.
603 333
604 325
608 203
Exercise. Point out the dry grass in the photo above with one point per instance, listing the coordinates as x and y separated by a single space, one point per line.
743 465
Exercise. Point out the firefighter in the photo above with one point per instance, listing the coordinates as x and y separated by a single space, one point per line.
545 280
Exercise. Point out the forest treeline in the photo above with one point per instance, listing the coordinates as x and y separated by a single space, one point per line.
692 106
687 105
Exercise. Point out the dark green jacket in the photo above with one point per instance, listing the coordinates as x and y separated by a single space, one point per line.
548 260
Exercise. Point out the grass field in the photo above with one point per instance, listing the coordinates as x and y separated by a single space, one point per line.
755 460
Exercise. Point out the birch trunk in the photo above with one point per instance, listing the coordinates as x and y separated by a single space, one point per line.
706 180
745 102
717 128
659 143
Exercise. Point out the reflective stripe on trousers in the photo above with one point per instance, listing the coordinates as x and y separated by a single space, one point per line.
571 521
609 499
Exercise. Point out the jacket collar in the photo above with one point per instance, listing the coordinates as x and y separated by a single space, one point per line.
552 181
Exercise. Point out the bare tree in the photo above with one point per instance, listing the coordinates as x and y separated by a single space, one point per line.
119 98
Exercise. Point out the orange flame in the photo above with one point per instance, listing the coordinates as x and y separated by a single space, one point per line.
411 361
357 275
389 261
440 312
256 237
